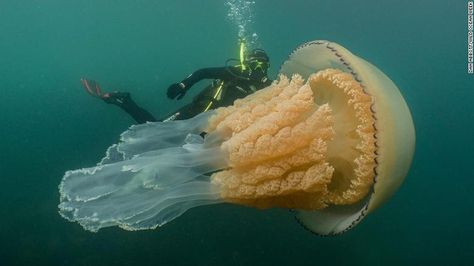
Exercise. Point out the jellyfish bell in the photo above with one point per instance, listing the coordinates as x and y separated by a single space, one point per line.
332 143
393 131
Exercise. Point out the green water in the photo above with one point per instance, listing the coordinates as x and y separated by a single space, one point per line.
49 125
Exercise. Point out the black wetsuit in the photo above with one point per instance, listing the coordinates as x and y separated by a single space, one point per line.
234 84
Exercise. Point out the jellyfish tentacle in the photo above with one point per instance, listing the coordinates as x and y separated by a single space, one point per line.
146 188
142 138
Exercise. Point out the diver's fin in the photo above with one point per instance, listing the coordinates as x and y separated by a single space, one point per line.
94 89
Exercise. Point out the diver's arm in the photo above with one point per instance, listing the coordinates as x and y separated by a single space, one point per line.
178 90
222 73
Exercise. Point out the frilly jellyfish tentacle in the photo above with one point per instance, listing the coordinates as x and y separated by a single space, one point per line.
161 173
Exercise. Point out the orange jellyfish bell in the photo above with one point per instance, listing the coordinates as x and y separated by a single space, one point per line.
332 143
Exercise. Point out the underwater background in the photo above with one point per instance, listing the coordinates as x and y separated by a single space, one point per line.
50 125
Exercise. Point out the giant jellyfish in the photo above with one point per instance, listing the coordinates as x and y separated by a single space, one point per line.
331 140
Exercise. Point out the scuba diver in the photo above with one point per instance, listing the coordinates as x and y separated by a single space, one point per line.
229 83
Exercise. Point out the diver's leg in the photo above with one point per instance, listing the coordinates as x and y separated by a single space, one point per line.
185 112
121 99
126 103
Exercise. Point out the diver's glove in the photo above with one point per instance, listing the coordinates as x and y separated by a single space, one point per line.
177 90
